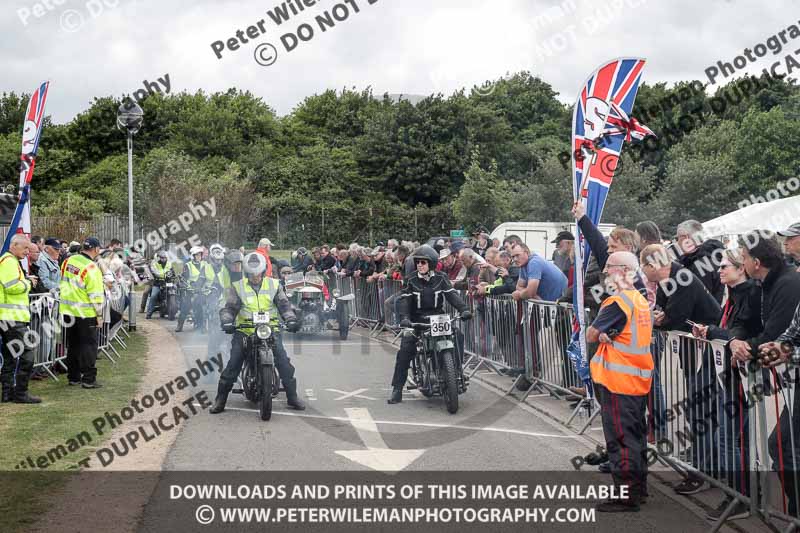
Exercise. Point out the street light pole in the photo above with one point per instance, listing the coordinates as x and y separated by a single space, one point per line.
129 119
131 303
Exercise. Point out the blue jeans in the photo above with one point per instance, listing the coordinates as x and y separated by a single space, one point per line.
151 303
656 403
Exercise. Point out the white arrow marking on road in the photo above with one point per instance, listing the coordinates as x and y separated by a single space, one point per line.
377 456
310 394
354 394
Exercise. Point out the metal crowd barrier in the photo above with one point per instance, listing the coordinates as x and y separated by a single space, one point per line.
47 331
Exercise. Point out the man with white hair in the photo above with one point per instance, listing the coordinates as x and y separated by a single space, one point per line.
14 319
622 371
701 257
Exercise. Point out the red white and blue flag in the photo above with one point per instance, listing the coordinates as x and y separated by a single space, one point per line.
31 135
601 123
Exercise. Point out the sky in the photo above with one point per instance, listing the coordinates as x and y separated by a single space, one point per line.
95 48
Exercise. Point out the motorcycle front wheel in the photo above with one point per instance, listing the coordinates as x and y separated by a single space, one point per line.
172 306
450 392
265 405
344 321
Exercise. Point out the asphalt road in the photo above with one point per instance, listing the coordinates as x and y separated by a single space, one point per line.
349 427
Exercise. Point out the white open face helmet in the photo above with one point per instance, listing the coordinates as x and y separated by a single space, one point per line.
195 250
254 264
217 252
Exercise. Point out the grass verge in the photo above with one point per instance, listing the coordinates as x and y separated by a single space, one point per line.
65 411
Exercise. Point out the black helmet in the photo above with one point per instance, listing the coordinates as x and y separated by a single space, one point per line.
235 256
427 253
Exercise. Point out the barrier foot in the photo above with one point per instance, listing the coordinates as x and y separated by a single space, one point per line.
114 350
120 342
397 336
728 510
591 418
377 330
577 410
47 369
108 355
513 385
63 365
527 392
125 331
469 361
481 362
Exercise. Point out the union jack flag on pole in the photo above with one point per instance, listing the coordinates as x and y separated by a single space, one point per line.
31 135
600 127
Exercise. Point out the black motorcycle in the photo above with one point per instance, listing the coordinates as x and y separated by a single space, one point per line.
167 303
437 367
260 381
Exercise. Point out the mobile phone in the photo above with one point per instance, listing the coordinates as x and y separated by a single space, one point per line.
693 324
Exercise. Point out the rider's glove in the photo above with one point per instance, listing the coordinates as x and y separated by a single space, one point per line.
292 325
405 323
229 328
466 315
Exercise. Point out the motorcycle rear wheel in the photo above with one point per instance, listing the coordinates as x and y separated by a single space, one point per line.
265 406
450 392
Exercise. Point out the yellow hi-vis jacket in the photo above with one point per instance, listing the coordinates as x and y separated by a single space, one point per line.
252 302
15 305
81 287
194 273
158 271
626 365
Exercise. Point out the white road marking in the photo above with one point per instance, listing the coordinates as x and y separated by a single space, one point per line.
377 456
421 424
310 394
354 394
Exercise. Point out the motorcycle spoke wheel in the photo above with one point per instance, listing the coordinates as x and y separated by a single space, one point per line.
450 382
265 405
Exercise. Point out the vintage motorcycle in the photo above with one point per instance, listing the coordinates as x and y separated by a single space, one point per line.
167 303
315 305
437 367
259 378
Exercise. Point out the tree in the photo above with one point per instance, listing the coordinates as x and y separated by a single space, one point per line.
484 199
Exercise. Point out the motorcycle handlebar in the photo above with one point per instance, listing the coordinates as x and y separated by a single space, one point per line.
423 325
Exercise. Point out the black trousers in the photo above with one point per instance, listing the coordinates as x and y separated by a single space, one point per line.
785 451
81 339
17 358
625 431
196 302
406 353
282 363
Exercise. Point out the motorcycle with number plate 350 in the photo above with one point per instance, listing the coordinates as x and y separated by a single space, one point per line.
437 367
260 381
315 305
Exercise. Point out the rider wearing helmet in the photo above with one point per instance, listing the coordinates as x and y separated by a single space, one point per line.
216 256
158 268
233 268
199 275
250 294
424 293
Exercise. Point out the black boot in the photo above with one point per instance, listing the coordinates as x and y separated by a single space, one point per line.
220 400
180 326
291 396
25 397
397 395
7 394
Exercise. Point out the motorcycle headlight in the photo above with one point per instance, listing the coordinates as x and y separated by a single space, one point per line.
335 293
289 294
263 331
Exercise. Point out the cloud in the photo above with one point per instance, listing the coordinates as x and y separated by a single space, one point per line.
408 46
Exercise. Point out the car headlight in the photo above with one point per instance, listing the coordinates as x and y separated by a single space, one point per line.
263 331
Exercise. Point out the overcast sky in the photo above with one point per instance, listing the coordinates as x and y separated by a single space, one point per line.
87 49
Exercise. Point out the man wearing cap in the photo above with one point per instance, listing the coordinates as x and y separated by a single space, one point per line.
82 296
562 255
264 248
483 244
49 271
791 243
301 261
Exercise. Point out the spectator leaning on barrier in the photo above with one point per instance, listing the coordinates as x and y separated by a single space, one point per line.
487 269
15 317
702 257
649 233
510 241
682 297
780 286
378 259
741 318
451 265
791 243
82 301
49 271
469 258
622 370
326 260
538 279
506 275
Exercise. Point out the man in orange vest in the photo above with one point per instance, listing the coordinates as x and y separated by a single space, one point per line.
622 370
264 248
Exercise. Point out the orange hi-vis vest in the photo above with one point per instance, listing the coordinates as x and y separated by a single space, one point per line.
626 365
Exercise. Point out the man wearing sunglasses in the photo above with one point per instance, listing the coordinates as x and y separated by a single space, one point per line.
424 293
622 371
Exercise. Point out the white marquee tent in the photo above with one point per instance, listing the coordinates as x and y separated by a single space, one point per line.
773 216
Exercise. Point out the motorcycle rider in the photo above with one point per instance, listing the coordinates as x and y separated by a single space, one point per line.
424 292
216 255
158 269
199 275
252 293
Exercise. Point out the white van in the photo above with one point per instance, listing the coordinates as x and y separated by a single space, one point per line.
538 235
